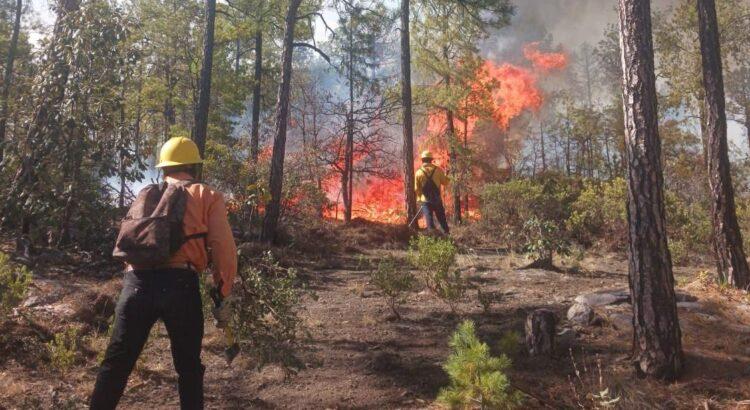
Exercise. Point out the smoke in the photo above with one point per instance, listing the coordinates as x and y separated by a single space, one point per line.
567 23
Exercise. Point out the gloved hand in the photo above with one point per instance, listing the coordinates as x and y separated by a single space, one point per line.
223 313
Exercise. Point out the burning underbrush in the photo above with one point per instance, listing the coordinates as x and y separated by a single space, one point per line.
473 141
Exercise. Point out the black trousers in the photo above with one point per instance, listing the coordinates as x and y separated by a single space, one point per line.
428 208
173 296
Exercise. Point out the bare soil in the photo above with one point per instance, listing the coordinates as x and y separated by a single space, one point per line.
358 356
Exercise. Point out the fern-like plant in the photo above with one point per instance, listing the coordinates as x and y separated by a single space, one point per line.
478 379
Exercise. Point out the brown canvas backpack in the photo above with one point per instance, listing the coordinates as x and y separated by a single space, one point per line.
152 231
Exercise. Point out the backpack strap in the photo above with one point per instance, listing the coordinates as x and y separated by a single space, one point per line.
196 236
424 171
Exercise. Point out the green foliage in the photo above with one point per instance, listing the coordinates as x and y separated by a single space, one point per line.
63 349
599 214
478 379
543 239
435 257
393 281
14 283
267 303
510 343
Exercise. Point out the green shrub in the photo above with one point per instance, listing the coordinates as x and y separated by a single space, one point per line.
435 257
510 343
599 214
14 283
509 207
266 317
392 281
688 226
63 349
543 239
477 379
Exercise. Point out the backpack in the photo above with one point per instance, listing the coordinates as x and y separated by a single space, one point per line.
430 190
152 231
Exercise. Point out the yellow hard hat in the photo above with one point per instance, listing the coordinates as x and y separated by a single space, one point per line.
179 151
426 154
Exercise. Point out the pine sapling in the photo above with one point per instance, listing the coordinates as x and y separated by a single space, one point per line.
478 379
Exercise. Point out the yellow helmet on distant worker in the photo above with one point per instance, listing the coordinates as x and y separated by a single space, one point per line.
179 151
426 154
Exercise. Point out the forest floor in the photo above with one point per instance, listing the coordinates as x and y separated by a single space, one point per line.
358 356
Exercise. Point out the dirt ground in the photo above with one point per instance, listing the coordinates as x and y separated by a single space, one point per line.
358 356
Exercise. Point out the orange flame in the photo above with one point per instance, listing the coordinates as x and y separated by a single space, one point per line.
511 91
544 62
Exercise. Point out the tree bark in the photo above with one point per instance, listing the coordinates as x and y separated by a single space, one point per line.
204 98
408 149
657 347
730 257
747 125
456 189
540 332
273 208
347 178
254 137
8 77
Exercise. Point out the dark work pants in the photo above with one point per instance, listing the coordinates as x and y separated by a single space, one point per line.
173 296
428 208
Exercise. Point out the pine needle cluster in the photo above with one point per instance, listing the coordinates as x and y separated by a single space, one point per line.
478 379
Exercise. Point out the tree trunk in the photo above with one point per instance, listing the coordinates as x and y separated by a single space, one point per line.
454 168
347 179
703 120
273 208
541 145
730 257
204 98
408 150
8 77
747 124
254 137
122 150
657 347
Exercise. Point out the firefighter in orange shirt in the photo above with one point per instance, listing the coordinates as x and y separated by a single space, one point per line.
170 291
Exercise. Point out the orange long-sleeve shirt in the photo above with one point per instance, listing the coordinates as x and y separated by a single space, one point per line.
206 213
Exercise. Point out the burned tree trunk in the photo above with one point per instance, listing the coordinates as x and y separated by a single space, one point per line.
540 332
454 169
254 131
273 209
204 98
347 180
730 257
408 150
657 346
8 77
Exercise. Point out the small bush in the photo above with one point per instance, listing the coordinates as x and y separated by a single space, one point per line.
267 305
477 378
14 283
510 343
393 282
543 240
599 214
63 349
435 257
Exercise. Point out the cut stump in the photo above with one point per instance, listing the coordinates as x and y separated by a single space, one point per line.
540 332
